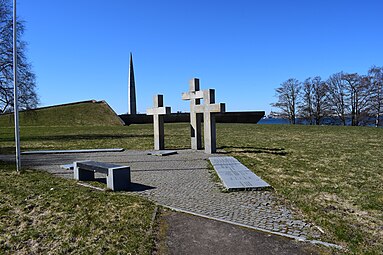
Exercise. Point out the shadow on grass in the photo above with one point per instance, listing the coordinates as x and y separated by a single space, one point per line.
7 150
255 150
135 187
78 137
177 148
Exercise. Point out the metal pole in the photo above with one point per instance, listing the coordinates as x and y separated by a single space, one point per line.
15 94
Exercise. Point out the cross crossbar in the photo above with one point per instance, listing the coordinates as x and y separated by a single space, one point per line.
158 110
206 108
192 95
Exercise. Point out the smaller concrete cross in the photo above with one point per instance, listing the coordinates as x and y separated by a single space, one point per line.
209 108
158 121
195 96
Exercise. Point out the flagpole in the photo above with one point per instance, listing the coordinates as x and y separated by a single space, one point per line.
15 94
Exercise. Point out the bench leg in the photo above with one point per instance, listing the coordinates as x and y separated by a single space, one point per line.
81 174
118 178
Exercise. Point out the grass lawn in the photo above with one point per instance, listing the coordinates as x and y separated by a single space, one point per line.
332 174
42 214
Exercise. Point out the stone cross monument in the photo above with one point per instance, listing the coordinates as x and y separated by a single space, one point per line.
158 121
195 96
131 88
208 109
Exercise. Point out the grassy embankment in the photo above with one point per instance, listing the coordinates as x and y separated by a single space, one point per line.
332 174
86 113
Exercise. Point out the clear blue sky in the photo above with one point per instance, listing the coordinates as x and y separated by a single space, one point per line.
243 49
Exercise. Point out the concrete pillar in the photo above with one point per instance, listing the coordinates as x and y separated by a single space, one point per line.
195 118
209 108
158 111
194 95
132 88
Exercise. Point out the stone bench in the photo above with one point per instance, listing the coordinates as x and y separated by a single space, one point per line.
118 177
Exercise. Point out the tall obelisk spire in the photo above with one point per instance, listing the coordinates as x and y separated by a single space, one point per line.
132 88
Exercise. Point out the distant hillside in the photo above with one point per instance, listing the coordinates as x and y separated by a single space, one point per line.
86 113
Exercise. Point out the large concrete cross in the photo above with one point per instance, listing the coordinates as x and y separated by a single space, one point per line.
158 121
195 96
209 108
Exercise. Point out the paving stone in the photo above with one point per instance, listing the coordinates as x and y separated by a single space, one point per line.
183 181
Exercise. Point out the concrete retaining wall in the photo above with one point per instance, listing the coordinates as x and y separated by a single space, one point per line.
227 117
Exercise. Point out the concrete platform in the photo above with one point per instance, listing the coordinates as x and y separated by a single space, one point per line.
72 151
182 182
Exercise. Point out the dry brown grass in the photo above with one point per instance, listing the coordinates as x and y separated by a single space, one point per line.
41 214
333 174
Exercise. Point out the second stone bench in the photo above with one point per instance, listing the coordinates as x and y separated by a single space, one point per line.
118 177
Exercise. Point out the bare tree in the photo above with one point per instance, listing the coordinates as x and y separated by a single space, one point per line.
288 99
315 105
320 99
306 109
344 97
359 92
338 96
375 75
26 78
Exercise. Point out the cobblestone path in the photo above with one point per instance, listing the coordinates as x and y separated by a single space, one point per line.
183 182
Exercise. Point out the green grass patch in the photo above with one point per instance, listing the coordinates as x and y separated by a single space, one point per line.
42 214
332 174
137 137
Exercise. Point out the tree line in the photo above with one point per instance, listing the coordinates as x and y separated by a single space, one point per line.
344 98
26 78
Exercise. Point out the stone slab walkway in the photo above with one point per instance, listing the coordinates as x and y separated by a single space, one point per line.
182 182
235 176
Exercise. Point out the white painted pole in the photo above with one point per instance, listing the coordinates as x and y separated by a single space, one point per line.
15 94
